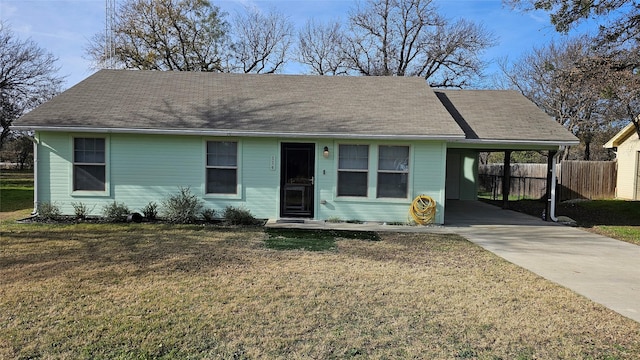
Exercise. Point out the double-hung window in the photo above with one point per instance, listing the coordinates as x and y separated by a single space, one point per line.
353 170
222 167
89 165
393 171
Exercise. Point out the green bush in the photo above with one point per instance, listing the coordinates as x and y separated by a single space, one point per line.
238 216
182 208
208 215
150 211
80 209
48 211
115 212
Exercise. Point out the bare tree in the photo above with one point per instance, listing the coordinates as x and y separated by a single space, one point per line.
613 67
320 47
409 38
27 78
622 17
547 76
614 75
261 41
184 35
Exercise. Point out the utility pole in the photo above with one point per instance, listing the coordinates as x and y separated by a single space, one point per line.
109 44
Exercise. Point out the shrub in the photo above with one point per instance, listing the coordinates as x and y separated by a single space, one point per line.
208 215
238 216
182 208
115 212
150 211
80 210
48 211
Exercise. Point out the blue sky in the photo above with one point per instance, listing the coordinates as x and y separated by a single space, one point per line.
63 27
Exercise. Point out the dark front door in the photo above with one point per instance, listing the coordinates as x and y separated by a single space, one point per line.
297 180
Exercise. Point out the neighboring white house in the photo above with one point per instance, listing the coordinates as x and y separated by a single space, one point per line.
627 145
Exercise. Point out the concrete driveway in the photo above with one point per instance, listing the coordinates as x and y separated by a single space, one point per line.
602 269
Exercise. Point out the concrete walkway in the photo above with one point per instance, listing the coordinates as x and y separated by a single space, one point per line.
602 269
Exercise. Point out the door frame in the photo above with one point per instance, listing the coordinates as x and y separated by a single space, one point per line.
307 189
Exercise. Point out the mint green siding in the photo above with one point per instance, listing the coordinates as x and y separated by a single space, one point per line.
465 169
145 168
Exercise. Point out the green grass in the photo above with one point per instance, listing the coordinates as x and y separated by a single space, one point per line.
312 240
627 233
152 291
16 190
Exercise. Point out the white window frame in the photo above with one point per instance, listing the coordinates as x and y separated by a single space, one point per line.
348 170
237 167
105 164
403 169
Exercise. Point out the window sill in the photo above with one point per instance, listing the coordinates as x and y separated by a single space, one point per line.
89 193
222 196
371 200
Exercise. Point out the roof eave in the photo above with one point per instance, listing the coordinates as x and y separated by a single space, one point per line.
620 137
516 142
239 133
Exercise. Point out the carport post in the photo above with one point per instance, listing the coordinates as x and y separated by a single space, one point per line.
547 211
506 179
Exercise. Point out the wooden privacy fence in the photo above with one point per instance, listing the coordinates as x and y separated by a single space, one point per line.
576 180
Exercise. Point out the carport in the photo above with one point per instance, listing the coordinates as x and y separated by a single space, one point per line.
517 125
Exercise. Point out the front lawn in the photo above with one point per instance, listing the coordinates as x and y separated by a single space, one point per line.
145 291
16 190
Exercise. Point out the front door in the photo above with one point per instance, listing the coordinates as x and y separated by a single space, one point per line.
297 180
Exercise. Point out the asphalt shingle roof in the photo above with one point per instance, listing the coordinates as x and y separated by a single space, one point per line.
297 104
292 105
501 115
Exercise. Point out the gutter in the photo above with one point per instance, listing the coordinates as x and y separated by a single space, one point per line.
235 133
515 142
35 174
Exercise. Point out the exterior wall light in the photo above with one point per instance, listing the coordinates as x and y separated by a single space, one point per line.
325 152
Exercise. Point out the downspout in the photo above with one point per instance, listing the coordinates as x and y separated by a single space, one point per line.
552 209
35 174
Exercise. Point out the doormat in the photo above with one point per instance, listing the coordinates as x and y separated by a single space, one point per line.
290 221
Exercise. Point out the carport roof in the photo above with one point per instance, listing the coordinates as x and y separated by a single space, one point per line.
502 116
